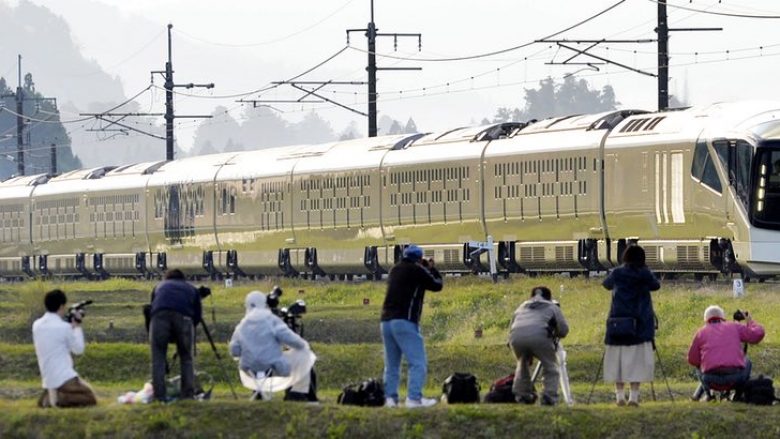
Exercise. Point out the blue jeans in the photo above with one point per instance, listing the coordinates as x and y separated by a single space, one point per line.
735 379
403 337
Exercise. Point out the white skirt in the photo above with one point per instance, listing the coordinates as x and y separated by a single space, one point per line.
629 364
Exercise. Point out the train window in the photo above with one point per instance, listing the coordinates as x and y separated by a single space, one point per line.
710 176
699 158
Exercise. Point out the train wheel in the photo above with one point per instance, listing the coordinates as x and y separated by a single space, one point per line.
350 277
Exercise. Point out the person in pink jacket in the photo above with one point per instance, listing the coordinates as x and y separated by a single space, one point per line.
717 352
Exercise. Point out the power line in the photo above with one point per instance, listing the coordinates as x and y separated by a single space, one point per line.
722 14
271 41
113 66
496 52
266 87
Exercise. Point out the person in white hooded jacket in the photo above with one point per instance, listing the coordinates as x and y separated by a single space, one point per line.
258 343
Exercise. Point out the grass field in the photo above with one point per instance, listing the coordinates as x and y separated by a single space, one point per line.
344 334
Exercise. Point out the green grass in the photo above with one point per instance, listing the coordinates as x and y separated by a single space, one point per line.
345 335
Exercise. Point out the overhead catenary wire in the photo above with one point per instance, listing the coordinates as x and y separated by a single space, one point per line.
719 13
271 41
496 52
117 64
266 87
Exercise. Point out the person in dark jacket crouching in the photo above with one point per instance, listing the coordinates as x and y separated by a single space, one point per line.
536 327
628 355
176 309
400 325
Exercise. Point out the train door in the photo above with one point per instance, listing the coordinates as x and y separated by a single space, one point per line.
736 157
707 192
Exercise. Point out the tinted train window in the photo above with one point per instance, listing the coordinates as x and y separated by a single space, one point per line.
766 193
710 176
743 155
699 158
703 168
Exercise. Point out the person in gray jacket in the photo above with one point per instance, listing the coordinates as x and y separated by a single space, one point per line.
257 342
536 327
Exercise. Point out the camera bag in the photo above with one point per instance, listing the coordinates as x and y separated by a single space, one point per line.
759 391
370 393
461 388
501 390
621 327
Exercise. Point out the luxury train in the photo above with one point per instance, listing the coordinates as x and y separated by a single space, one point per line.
698 188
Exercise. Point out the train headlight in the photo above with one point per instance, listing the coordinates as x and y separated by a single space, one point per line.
761 189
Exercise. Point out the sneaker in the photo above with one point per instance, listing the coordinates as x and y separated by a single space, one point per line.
422 402
621 402
633 404
390 403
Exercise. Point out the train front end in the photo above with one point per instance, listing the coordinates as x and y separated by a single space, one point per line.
763 259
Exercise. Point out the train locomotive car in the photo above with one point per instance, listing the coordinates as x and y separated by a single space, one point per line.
698 188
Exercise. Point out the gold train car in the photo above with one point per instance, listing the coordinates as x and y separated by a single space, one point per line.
698 188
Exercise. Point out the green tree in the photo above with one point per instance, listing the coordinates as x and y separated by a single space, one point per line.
42 130
552 99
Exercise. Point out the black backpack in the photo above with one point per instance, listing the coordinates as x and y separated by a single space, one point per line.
759 391
501 390
369 393
461 388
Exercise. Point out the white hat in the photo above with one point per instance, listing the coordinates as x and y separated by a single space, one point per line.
714 311
255 300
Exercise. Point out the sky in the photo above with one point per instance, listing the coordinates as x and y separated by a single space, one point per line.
243 45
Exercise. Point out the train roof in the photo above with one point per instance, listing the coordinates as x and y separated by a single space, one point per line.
21 186
361 153
719 120
190 169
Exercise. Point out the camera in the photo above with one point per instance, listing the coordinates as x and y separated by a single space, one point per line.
740 315
273 299
291 315
76 312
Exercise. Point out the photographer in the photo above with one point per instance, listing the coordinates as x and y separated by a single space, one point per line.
628 355
55 340
716 351
176 309
400 325
257 342
536 326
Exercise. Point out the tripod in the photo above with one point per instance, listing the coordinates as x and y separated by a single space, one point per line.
652 388
563 378
219 358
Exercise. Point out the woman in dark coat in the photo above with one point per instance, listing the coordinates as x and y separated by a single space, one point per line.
628 356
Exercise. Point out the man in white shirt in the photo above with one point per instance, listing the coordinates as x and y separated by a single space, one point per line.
55 340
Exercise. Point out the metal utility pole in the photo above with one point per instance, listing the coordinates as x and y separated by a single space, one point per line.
312 88
19 123
663 57
20 99
371 35
169 114
53 159
663 30
169 86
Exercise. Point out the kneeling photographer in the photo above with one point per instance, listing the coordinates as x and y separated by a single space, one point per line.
536 326
257 342
717 351
57 335
176 309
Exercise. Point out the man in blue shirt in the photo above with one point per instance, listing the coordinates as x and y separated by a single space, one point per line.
176 309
